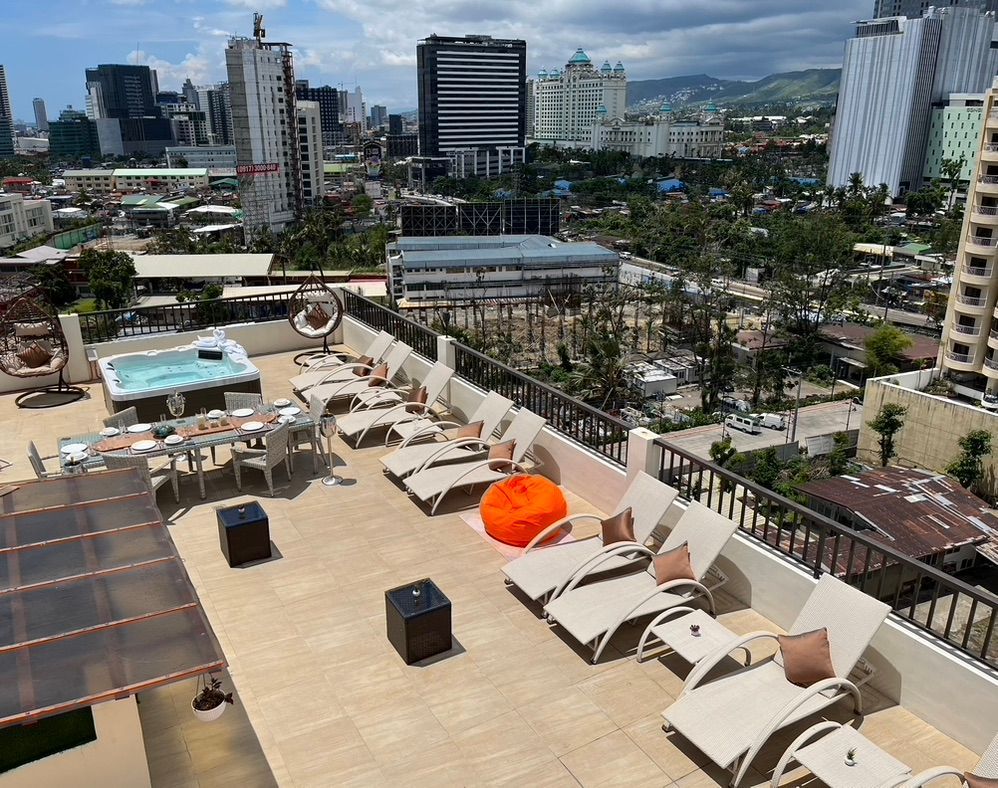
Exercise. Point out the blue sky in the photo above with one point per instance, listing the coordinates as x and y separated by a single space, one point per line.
48 43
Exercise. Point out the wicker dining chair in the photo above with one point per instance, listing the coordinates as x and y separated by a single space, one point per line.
154 477
123 419
273 453
38 462
242 399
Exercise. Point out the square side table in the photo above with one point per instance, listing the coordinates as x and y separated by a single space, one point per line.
418 624
243 533
675 634
826 757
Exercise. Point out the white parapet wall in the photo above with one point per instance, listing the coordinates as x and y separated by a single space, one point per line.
116 758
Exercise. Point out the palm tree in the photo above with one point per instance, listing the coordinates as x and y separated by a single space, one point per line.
951 170
855 186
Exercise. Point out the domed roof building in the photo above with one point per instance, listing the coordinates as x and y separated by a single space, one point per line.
619 68
569 101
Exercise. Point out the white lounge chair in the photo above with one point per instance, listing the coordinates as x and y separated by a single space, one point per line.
359 422
437 477
986 766
419 444
592 613
541 570
349 386
730 718
315 367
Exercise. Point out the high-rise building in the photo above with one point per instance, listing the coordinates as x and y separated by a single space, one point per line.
566 102
915 8
328 99
264 125
662 134
190 125
116 90
216 102
954 135
395 124
73 136
6 118
472 102
531 109
379 116
970 330
41 117
353 108
893 71
310 151
190 93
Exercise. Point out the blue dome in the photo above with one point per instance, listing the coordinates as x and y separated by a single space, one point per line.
666 108
554 73
712 107
619 68
541 74
579 58
605 68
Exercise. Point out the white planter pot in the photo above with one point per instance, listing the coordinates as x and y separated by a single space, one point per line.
211 714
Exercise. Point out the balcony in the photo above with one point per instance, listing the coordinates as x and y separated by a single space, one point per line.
321 698
971 304
963 362
970 331
982 242
976 275
989 152
987 184
985 214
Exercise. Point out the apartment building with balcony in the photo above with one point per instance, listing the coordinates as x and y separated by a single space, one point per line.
970 332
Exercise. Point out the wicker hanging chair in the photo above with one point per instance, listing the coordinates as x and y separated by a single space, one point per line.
33 345
315 311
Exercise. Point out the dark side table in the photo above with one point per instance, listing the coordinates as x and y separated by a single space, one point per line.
243 533
419 624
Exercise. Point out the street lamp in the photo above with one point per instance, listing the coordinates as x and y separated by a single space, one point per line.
852 405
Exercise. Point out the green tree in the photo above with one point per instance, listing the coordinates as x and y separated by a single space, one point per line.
887 423
53 281
884 348
110 276
968 467
838 460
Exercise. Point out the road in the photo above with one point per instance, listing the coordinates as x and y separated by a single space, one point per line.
821 419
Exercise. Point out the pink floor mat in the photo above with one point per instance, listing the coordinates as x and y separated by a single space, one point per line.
474 521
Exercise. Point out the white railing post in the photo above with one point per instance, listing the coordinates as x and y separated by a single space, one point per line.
78 370
446 352
643 454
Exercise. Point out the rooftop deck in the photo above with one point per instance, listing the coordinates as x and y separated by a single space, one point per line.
323 699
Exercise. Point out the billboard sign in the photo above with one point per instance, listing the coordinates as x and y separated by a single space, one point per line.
371 153
257 169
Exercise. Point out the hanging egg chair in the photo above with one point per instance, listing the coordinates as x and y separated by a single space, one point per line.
315 311
32 345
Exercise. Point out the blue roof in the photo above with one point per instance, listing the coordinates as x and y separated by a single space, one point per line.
563 184
671 185
715 191
806 181
666 108
618 68
605 68
579 57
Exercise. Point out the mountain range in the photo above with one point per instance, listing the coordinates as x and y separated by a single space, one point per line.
818 85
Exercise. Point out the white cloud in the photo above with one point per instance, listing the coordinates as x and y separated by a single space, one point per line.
257 5
197 66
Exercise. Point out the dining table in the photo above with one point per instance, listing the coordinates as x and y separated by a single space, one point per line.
198 433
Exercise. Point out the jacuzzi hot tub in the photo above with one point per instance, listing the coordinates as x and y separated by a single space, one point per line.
144 380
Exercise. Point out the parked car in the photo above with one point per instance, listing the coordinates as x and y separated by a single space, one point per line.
744 423
774 421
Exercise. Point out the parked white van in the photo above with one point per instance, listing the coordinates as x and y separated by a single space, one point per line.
775 421
745 423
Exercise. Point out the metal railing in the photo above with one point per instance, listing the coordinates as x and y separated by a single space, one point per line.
987 178
420 338
986 210
980 240
990 147
188 316
594 429
968 330
960 358
971 300
976 270
991 363
917 592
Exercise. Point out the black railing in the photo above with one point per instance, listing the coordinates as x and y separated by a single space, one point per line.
188 316
583 423
960 614
420 338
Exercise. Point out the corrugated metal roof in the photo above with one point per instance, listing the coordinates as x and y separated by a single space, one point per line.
198 266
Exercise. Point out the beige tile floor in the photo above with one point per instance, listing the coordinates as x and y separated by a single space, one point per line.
322 699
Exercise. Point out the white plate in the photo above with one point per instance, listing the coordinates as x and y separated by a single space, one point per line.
140 427
173 440
252 426
78 456
286 419
292 411
109 432
281 403
242 413
215 413
74 448
143 445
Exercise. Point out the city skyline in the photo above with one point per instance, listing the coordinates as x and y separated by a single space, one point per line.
369 45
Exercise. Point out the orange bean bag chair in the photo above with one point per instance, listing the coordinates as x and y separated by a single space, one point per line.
516 509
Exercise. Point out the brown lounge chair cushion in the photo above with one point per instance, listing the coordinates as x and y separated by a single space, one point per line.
472 430
619 528
806 657
976 781
365 370
378 375
35 356
502 451
416 398
673 564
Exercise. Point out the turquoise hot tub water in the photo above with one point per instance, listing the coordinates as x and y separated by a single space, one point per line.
141 373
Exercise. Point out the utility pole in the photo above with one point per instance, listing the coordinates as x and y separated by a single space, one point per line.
792 432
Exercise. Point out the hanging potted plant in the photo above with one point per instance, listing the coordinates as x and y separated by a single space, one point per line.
210 701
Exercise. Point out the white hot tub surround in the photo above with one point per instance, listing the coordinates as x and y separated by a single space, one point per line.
131 376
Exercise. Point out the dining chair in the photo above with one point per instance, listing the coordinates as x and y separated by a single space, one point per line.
242 399
38 462
123 419
274 451
154 477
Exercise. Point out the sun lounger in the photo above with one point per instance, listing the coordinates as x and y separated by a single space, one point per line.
543 569
316 367
436 477
419 438
592 613
359 422
730 718
352 385
986 767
